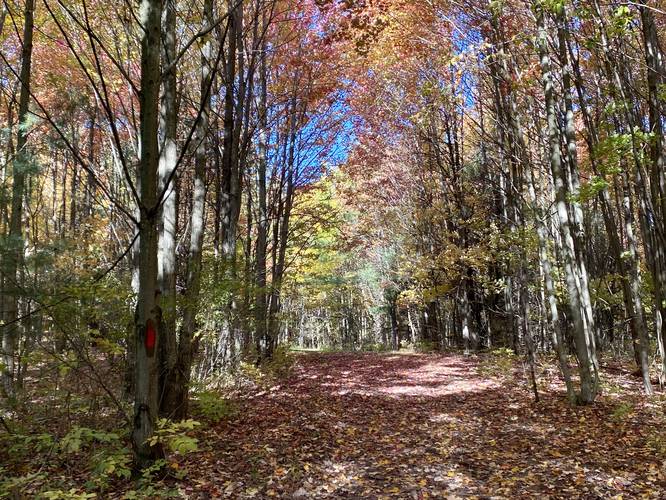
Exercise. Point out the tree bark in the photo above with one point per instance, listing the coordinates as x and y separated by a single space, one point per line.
146 396
656 75
167 182
584 344
186 346
262 222
14 256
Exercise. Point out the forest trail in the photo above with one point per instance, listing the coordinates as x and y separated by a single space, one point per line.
428 426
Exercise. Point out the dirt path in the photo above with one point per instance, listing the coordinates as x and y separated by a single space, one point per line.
426 426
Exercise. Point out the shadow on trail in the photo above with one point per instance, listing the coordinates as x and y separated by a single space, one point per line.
420 426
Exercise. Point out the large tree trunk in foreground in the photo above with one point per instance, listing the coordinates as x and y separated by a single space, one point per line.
146 395
14 256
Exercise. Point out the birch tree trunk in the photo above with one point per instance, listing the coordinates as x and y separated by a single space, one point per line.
582 334
186 345
262 223
549 291
166 266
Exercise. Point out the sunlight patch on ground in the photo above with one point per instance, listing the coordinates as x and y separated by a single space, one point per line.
429 426
431 379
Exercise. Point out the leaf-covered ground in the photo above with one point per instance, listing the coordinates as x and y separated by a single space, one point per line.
426 426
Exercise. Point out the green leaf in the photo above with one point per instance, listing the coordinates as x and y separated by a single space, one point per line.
183 444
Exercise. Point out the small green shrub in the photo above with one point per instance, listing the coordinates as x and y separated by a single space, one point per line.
622 411
268 372
657 443
72 494
250 371
107 456
12 487
112 460
281 365
114 463
173 435
80 437
24 444
212 406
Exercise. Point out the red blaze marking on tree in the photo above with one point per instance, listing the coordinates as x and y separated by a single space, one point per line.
151 337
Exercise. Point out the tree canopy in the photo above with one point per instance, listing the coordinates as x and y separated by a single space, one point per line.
195 194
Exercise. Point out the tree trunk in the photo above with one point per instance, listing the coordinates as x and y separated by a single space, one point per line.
186 345
262 223
549 289
283 236
166 266
14 255
627 261
571 179
146 396
656 74
582 334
